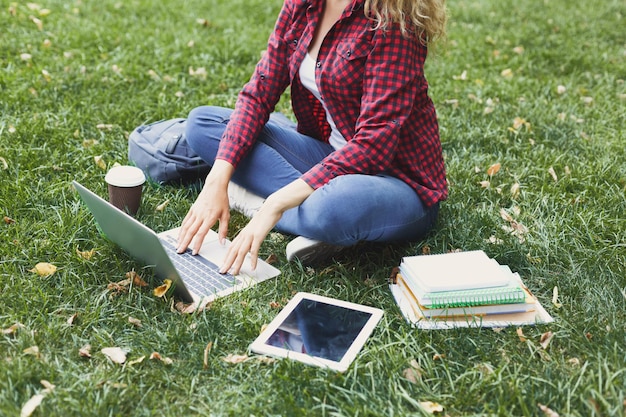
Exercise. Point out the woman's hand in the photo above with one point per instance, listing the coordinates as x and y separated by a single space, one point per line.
210 207
249 239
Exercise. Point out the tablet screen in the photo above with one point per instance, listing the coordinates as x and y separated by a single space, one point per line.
318 330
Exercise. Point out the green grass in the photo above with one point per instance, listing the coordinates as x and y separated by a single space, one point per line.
121 64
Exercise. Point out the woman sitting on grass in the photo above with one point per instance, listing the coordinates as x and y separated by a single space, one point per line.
364 162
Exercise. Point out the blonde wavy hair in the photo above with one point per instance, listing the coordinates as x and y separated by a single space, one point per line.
425 19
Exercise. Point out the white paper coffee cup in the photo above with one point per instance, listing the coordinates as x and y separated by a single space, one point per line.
125 184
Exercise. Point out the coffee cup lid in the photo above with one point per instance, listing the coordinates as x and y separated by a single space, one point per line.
125 176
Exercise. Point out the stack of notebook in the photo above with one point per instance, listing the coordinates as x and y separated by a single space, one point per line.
463 289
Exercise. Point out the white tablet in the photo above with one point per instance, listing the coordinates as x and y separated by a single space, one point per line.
318 331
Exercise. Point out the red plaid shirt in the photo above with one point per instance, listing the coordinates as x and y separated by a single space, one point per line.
372 83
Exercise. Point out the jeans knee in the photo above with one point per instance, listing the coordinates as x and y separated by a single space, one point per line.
205 126
193 130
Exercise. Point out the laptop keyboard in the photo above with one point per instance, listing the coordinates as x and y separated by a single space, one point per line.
200 275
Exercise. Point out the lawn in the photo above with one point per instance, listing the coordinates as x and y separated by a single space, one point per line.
534 87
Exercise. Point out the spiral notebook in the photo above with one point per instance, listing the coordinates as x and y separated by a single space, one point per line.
478 306
460 279
416 318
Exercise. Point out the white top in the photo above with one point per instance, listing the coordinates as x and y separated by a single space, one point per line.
307 77
125 176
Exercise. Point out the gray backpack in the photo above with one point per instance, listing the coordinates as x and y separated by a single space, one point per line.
161 151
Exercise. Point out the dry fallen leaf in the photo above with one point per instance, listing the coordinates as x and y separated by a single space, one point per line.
200 72
153 74
484 368
8 220
454 103
552 173
431 407
86 254
134 321
461 77
548 411
117 355
413 373
46 75
265 359
520 334
29 407
162 206
136 279
186 308
203 22
574 361
37 22
85 351
207 350
515 189
48 386
232 358
71 319
44 269
272 259
493 169
555 297
157 356
545 339
88 143
518 229
505 215
136 361
99 161
33 350
439 356
12 329
118 288
518 123
494 240
161 290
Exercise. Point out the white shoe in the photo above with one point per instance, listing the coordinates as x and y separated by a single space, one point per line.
311 252
243 201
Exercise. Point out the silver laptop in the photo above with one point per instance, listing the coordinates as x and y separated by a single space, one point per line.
196 278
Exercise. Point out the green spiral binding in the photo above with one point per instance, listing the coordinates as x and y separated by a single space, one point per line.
470 298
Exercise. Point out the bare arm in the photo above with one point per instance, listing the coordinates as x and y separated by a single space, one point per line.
210 207
249 240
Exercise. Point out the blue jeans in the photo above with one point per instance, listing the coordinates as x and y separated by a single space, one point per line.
347 210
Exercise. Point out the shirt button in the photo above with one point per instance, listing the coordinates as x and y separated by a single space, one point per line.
318 64
349 53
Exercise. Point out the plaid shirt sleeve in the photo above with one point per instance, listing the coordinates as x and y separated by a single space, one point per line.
259 96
